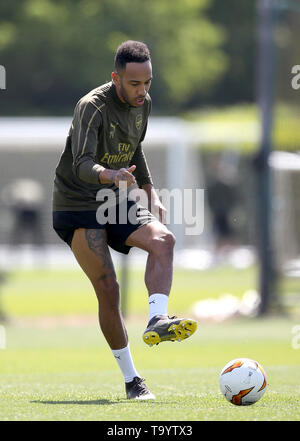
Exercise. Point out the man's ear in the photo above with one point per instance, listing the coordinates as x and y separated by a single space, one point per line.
115 78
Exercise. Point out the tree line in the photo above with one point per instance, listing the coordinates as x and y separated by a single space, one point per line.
54 51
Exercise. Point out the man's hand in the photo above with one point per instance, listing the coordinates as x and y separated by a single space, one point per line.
158 210
154 204
125 174
107 176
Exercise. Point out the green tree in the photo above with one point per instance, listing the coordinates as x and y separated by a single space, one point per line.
55 51
238 18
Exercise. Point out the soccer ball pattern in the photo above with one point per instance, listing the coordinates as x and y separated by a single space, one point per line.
243 381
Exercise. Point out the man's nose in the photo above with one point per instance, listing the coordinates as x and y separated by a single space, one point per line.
142 91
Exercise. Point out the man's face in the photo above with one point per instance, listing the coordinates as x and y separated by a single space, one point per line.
133 83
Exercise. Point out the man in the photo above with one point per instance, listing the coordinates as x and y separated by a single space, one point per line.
103 150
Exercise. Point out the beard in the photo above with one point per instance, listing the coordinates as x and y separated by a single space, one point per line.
124 95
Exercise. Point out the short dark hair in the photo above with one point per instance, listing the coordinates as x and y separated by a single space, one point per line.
131 51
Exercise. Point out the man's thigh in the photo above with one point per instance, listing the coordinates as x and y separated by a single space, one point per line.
145 236
90 248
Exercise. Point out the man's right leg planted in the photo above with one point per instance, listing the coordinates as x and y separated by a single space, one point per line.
92 253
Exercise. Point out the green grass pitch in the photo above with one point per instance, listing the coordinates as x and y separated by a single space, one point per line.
52 370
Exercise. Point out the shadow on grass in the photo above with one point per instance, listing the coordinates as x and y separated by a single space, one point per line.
80 402
101 402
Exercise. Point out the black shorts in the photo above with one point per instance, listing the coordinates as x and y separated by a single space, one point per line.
118 227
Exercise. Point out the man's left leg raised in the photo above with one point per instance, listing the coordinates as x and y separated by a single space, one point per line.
158 241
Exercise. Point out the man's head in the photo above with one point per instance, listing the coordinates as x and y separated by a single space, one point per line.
132 72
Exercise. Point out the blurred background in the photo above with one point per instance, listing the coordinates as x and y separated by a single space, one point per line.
225 119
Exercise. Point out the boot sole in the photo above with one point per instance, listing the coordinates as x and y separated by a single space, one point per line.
179 331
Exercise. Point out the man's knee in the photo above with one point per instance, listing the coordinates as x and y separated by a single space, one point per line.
163 243
169 240
107 289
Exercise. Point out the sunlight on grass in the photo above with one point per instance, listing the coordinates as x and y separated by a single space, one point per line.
66 292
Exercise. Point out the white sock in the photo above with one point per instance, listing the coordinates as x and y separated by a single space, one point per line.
158 305
125 362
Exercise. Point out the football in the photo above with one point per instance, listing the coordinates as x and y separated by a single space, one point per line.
243 381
